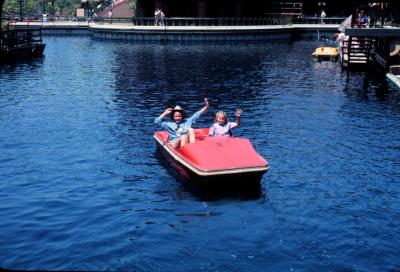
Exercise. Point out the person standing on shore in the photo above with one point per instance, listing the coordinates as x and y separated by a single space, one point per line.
377 14
363 23
157 15
162 17
323 16
110 14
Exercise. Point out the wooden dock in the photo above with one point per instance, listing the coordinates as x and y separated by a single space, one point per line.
364 46
21 43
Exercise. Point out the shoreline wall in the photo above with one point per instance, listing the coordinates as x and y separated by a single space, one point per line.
188 34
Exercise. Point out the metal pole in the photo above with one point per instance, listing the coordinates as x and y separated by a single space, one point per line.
20 10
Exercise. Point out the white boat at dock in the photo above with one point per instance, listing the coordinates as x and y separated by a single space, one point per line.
394 75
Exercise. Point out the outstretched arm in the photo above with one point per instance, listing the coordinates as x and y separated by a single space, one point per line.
205 106
238 112
197 114
165 113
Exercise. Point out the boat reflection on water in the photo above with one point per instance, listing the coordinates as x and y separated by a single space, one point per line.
210 191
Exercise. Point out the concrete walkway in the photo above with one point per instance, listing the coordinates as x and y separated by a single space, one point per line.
129 26
129 32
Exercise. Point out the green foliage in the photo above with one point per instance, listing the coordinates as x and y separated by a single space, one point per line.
67 7
29 7
132 6
11 7
37 7
4 24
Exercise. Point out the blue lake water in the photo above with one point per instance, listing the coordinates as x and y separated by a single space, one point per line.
83 188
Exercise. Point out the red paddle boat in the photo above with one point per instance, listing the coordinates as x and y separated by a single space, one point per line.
213 160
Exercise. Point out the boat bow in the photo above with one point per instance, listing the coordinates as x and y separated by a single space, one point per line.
214 156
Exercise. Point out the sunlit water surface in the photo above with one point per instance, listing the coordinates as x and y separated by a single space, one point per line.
83 188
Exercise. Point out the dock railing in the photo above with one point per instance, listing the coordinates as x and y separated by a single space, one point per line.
317 20
189 21
182 21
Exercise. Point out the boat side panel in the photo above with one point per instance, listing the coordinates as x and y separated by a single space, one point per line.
187 175
175 155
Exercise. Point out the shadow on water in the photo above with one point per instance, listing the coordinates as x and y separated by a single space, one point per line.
368 85
19 63
76 137
212 192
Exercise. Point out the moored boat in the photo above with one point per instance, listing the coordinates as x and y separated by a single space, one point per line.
214 160
394 75
21 43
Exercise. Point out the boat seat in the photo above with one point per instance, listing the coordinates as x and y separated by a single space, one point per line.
200 135
163 135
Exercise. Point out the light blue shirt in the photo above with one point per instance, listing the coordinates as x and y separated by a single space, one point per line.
225 130
176 130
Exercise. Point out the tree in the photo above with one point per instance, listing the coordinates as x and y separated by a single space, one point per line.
132 6
37 7
11 7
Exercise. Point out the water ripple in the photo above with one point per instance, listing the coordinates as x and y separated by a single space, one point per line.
82 187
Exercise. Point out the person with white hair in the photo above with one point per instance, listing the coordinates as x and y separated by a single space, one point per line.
323 16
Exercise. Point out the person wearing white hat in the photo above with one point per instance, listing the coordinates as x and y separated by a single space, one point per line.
180 130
